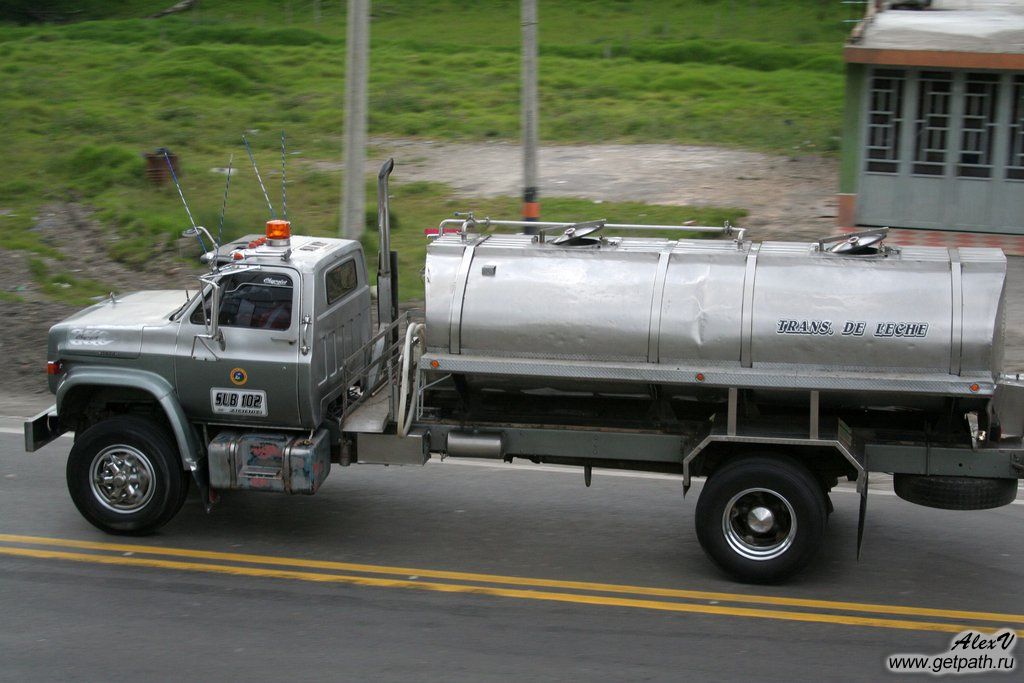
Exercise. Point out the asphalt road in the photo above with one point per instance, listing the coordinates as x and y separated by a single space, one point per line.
475 571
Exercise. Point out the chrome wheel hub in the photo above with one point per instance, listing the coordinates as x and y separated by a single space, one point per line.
759 524
121 478
760 520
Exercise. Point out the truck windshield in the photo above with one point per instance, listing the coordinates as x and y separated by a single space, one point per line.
254 299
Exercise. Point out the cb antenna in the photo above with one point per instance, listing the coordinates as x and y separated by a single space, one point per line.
259 177
284 194
224 203
194 230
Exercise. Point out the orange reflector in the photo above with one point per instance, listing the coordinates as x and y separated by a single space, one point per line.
434 364
975 387
54 367
700 376
279 230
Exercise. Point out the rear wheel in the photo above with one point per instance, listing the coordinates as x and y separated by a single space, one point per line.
125 476
761 519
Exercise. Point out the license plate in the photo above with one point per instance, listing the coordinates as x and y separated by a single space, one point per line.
238 402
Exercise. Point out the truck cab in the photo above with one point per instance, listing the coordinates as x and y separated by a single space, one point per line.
285 327
160 385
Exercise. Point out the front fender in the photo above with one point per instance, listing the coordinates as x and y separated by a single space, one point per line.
155 385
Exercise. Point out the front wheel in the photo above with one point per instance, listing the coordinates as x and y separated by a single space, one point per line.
761 519
125 476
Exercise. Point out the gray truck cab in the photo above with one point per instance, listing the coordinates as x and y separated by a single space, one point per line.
284 328
157 385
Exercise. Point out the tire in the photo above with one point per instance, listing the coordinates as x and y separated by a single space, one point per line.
955 493
125 475
761 519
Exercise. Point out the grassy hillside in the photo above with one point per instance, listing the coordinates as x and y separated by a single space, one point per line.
83 99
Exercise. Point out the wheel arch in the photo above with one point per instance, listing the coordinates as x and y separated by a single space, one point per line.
825 460
82 385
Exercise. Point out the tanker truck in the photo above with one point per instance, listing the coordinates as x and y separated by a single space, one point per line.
771 370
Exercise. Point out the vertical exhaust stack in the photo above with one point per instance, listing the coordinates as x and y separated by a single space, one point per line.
387 286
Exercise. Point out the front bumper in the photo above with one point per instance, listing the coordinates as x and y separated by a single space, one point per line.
42 429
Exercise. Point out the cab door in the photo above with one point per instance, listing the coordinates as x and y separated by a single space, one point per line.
253 379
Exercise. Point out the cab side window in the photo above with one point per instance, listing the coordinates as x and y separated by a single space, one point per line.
255 300
341 280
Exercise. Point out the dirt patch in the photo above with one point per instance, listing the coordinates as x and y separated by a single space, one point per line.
23 340
788 198
83 243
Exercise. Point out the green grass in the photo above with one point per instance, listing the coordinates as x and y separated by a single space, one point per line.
10 297
64 287
83 100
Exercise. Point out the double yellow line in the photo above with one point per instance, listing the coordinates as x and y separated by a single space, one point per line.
523 588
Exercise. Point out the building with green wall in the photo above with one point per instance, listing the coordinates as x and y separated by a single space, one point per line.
933 130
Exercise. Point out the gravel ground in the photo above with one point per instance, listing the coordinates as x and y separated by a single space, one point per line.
788 198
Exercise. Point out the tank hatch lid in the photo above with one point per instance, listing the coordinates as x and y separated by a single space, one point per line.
578 234
856 245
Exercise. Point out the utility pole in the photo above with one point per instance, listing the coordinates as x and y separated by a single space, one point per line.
357 61
531 199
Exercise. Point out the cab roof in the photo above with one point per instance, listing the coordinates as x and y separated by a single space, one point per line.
304 252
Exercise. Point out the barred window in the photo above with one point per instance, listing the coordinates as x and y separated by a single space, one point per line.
934 95
885 120
981 97
1015 162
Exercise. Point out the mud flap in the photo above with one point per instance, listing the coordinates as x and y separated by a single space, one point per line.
863 514
201 475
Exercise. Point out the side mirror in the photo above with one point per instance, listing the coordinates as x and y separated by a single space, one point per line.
212 321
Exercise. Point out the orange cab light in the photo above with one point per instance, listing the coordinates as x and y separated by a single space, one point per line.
237 255
54 367
279 230
700 377
975 387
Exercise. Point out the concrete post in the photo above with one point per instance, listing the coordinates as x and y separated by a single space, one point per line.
531 203
357 61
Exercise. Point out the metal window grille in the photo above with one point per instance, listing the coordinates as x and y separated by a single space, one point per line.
934 96
885 120
981 94
1015 163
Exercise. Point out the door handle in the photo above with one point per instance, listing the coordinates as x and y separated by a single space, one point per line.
307 322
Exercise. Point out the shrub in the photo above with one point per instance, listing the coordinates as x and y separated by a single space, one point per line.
97 167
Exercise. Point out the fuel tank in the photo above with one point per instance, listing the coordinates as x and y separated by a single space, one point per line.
772 307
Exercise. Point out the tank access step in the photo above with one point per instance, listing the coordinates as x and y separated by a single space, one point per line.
376 440
371 417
